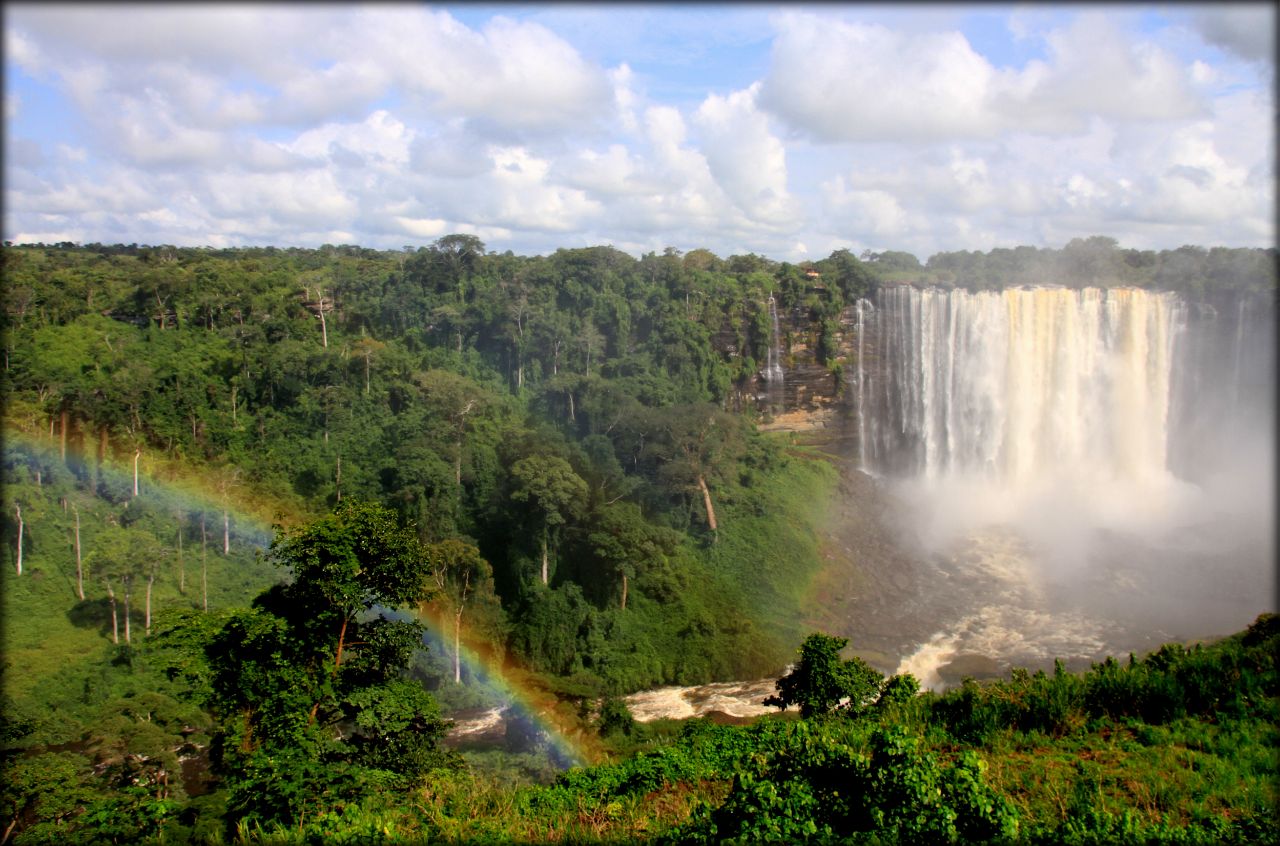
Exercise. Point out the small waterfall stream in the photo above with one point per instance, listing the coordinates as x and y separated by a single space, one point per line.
773 374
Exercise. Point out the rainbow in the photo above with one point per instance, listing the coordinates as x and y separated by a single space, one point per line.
167 483
569 746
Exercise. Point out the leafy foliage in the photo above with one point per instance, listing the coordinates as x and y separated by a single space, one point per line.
821 681
308 685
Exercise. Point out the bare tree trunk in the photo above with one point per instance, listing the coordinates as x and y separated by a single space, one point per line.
115 620
337 482
128 587
18 510
137 453
100 469
706 499
233 405
366 375
324 331
182 569
544 555
572 419
204 569
457 646
79 563
226 532
624 591
342 639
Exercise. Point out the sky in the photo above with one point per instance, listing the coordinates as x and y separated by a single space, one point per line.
786 131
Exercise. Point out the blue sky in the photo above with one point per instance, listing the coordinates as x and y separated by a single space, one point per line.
788 131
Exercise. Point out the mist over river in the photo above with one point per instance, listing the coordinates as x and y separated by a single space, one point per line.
1073 473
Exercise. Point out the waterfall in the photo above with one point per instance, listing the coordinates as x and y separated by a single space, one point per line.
1016 385
862 306
1077 470
773 365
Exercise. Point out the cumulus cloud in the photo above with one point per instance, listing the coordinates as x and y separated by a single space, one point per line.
297 68
848 82
391 124
1248 31
748 162
856 82
380 139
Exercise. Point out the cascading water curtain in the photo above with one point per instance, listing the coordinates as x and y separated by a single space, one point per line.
1010 385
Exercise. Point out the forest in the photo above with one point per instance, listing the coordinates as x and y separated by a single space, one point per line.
241 485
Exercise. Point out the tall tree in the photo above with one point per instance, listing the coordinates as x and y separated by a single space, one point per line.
309 685
553 491
120 557
462 579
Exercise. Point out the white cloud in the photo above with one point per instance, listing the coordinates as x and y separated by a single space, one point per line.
72 154
847 82
1095 69
1247 30
748 162
887 129
612 172
310 198
425 228
871 212
625 99
378 140
521 196
244 65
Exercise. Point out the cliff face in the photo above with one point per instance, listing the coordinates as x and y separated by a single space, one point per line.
815 400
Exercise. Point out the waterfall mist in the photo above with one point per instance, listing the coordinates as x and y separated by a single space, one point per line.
1087 469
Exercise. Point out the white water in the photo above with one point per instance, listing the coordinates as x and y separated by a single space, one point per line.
737 699
863 307
773 364
1043 415
1014 385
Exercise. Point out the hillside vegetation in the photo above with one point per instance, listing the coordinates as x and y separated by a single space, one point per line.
568 445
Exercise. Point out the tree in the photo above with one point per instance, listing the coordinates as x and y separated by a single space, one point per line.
120 556
554 491
625 544
690 443
461 577
366 348
79 559
310 684
17 512
821 681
